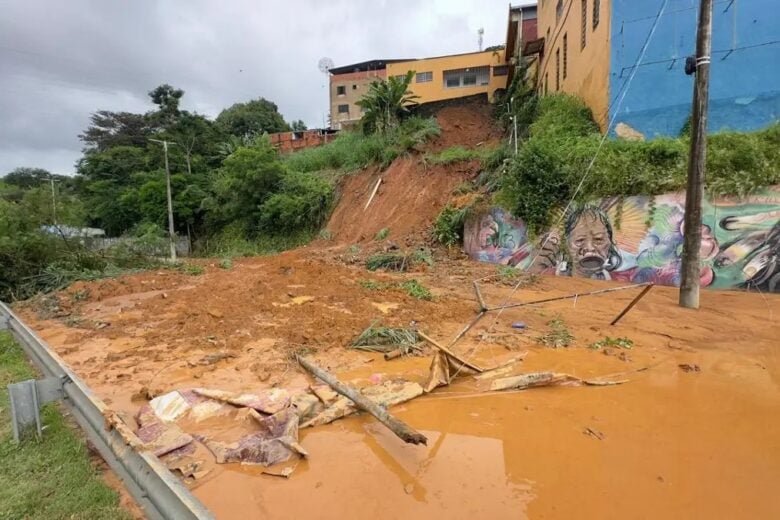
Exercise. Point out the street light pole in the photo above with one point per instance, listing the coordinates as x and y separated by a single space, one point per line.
690 270
171 232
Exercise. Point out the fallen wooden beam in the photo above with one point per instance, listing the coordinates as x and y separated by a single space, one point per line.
533 379
480 299
466 328
450 353
378 182
397 426
570 296
631 305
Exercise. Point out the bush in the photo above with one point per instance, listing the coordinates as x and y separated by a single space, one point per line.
352 151
448 228
564 139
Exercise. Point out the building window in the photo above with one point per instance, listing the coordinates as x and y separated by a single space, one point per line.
557 69
565 53
343 109
424 77
596 12
584 28
354 87
400 77
466 77
558 11
341 90
501 70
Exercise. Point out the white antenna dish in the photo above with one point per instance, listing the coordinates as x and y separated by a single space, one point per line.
325 64
480 33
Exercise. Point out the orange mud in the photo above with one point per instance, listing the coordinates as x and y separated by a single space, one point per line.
667 444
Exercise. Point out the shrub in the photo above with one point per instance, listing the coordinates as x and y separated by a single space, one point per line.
564 139
382 234
416 290
352 151
448 228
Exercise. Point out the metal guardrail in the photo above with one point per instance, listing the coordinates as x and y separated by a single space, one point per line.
161 495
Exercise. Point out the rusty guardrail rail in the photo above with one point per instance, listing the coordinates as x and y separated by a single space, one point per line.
161 495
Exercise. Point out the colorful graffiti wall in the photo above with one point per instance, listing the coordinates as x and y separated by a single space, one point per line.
639 239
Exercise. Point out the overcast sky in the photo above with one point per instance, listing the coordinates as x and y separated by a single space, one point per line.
62 60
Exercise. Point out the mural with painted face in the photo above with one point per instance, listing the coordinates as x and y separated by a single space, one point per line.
639 239
592 249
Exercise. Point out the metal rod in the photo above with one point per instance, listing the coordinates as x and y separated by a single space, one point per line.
570 296
631 305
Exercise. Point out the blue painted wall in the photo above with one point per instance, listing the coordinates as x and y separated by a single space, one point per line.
744 84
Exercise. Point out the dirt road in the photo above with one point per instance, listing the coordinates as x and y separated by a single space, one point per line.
671 443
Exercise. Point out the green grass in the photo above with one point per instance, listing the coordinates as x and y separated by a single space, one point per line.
625 343
558 335
416 290
373 285
352 151
53 478
382 234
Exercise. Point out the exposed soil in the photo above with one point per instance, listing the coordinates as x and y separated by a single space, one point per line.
412 193
693 434
670 443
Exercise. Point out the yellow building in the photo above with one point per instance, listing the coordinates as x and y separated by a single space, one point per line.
574 50
454 76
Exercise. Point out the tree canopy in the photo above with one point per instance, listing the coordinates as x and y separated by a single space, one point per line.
252 118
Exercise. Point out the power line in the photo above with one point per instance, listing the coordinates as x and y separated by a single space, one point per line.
726 52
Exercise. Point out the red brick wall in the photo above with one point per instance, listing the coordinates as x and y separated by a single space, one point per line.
285 143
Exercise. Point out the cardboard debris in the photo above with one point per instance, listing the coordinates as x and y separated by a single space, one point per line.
443 369
269 401
275 442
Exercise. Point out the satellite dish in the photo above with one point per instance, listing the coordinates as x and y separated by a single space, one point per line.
325 64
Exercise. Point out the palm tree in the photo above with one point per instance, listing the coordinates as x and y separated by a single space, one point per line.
387 102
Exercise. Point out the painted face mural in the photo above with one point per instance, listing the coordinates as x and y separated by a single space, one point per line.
640 239
592 249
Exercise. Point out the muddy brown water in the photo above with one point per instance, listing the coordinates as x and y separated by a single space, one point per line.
669 443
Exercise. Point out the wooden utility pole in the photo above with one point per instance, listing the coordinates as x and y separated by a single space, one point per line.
690 269
171 232
53 202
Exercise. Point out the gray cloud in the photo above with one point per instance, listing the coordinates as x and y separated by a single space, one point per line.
61 61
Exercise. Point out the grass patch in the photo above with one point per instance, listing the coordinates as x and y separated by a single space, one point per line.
232 242
373 285
53 478
399 261
190 269
384 339
352 151
558 335
625 343
382 234
416 290
226 264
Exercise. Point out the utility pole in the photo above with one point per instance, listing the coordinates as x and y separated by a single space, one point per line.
53 202
171 232
691 263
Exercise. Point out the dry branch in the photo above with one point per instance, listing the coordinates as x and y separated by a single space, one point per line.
397 426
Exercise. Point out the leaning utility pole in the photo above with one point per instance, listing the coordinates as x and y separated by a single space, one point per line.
691 264
171 232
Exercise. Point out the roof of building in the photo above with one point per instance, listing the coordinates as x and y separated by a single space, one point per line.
363 66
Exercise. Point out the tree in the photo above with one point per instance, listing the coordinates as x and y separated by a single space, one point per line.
109 129
26 178
298 126
167 98
252 118
386 103
249 176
